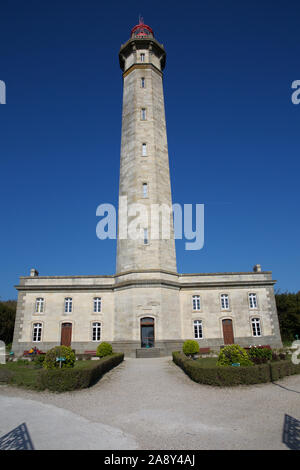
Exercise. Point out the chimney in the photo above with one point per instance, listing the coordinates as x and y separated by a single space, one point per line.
34 272
257 268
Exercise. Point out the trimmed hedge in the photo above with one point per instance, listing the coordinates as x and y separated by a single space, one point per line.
63 380
229 376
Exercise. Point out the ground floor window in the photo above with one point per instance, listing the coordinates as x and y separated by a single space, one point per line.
96 331
256 329
198 329
37 332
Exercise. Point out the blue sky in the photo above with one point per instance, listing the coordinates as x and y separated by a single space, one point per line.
233 132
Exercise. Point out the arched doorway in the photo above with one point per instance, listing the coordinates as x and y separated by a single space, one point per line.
228 331
66 334
147 332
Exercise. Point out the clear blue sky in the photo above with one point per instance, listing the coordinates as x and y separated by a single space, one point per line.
233 132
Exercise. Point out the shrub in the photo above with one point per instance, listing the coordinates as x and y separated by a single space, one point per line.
59 351
281 369
104 349
260 355
39 360
233 354
63 380
190 347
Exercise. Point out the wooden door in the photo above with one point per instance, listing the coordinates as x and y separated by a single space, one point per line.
228 331
66 334
147 332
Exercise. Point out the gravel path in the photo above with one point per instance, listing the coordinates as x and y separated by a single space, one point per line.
152 404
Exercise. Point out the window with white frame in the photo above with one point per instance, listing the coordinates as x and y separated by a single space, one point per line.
68 304
145 190
143 114
198 333
196 302
142 56
97 304
256 328
143 82
144 150
252 300
146 240
37 332
39 305
96 331
224 302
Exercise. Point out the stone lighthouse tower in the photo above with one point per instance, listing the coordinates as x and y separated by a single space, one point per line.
144 169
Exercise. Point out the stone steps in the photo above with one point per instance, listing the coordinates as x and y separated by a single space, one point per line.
147 352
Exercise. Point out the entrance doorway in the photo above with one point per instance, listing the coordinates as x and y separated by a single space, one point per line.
147 332
228 331
66 334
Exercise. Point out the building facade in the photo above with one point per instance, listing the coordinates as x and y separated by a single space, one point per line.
147 306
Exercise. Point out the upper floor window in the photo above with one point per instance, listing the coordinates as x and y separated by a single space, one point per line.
96 331
145 190
146 240
198 333
143 114
196 302
142 57
144 150
252 300
39 305
37 332
142 82
97 304
256 329
68 304
224 301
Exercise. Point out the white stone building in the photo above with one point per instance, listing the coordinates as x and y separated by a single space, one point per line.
146 307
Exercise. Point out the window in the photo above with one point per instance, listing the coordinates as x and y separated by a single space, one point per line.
143 114
196 302
145 190
142 82
39 305
252 300
142 57
146 241
198 329
256 329
37 332
224 302
68 305
96 331
97 304
144 150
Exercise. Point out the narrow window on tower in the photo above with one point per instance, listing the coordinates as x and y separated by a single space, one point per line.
146 240
143 82
142 57
145 190
143 114
144 150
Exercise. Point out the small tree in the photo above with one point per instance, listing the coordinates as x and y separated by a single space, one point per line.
104 349
190 347
50 361
233 354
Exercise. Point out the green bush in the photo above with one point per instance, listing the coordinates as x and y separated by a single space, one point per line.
233 354
63 380
222 376
104 349
190 347
59 351
39 360
283 368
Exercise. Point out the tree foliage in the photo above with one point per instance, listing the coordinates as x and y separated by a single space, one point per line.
288 307
7 320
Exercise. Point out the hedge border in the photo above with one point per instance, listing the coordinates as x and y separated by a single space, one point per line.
65 380
232 376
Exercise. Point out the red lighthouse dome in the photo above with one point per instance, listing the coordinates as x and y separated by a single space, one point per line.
141 30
